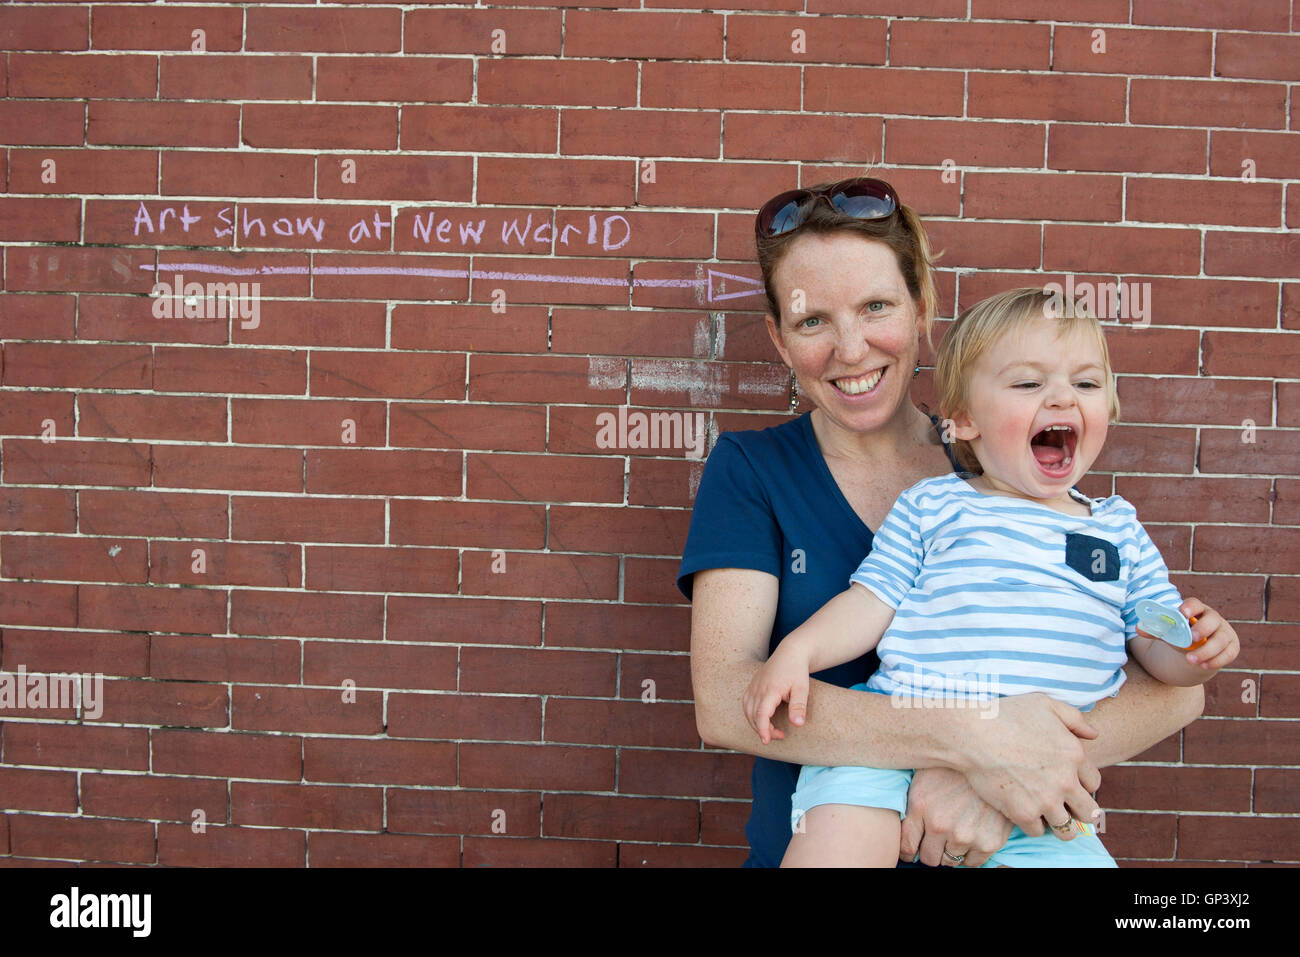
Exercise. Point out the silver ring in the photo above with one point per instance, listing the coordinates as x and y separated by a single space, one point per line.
956 859
1062 827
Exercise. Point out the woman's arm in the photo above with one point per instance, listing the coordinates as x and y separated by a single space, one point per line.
1028 762
1145 712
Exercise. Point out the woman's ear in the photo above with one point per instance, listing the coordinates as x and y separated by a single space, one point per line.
774 333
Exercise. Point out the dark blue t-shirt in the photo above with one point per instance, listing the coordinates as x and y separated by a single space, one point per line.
767 501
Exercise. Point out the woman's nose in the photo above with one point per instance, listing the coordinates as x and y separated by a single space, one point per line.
851 344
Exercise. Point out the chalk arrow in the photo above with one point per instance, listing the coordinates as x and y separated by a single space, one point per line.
717 295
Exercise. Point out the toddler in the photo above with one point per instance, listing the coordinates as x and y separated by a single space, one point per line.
1003 580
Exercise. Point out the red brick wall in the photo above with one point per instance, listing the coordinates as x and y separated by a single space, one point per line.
349 677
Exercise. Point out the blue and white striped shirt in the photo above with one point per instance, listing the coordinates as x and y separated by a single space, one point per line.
1003 596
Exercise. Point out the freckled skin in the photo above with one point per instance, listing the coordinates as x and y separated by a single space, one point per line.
1031 378
857 318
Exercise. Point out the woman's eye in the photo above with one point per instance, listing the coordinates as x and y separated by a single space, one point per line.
808 322
876 305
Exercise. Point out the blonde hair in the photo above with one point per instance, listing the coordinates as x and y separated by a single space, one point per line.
979 327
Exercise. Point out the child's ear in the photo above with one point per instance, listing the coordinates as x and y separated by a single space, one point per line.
962 426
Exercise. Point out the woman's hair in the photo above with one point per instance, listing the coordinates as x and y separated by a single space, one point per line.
902 232
980 327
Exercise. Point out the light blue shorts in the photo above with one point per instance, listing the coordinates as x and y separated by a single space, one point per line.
887 788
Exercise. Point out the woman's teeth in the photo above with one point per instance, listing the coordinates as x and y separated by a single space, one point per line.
859 385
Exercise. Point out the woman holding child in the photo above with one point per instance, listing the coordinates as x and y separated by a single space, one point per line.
783 518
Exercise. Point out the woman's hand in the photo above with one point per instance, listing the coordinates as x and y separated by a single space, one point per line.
1029 763
945 814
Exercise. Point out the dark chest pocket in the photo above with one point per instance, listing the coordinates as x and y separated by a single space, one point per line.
1094 558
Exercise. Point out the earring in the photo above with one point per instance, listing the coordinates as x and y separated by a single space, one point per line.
794 391
916 372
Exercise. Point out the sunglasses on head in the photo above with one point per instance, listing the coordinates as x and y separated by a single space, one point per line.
860 198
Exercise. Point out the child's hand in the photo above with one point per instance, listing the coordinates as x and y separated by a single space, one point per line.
1222 646
783 678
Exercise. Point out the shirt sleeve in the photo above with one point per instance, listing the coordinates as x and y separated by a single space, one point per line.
1149 581
733 524
893 565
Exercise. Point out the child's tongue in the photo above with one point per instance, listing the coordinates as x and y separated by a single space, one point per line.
1049 456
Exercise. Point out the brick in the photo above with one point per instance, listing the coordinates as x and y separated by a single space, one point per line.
342 30
1197 499
618 818
769 39
671 675
37 603
179 846
967 143
984 46
482 129
651 580
534 670
1286 508
453 811
427 763
552 478
497 229
1279 695
1283 599
1088 11
1213 302
625 132
37 123
527 32
382 569
79 558
227 754
662 482
1176 400
464 620
536 767
163 703
154 28
1276 790
76 746
306 614
632 333
127 842
626 723
677 855
309 806
525 852
151 608
327 849
153 798
1047 97
41 316
1043 196
233 78
1158 52
76 462
1142 837
381 665
38 510
459 717
656 35
1219 203
192 418
1250 354
1138 150
1116 248
73 269
1227 548
368 374
305 421
369 79
532 575
1252 254
722 86
237 173
710 185
376 471
873 90
1230 741
546 379
45 28
1257 57
469 426
196 658
1207 103
1250 838
320 127
227 467
164 514
305 710
32 413
1246 450
553 182
618 531
396 177
27 790
1268 15
1007 245
230 370
467 524
72 652
1151 350
40 220
292 279
1235 597
1275 155
621 626
669 774
749 136
560 82
115 76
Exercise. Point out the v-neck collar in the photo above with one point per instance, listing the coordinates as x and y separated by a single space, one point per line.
810 437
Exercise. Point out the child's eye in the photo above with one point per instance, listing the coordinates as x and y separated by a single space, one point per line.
1025 385
1088 384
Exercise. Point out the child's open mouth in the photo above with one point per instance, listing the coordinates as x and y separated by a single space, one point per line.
1053 449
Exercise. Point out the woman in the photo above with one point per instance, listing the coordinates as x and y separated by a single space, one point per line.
784 515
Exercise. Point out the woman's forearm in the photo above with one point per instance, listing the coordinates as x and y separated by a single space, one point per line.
1143 714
